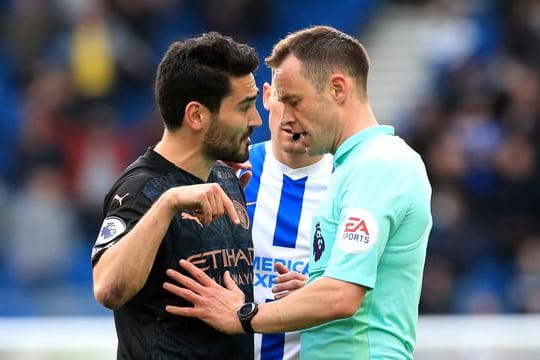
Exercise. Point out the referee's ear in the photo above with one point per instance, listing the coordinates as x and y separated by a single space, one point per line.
267 93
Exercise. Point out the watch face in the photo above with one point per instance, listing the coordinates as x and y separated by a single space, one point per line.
247 309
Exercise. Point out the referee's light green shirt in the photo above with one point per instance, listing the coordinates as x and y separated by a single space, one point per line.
372 230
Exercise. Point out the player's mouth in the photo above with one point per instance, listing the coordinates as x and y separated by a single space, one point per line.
247 137
295 135
298 135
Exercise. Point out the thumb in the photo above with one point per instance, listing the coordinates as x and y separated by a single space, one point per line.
245 178
282 269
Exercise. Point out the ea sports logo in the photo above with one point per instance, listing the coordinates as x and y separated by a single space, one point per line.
358 232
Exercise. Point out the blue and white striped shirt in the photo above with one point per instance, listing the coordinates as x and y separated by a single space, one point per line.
281 202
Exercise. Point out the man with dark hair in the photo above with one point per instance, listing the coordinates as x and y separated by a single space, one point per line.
176 202
369 233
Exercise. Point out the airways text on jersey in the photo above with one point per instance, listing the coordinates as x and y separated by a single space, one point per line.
214 261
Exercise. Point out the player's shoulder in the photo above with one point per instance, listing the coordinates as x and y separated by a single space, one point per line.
388 151
133 180
222 171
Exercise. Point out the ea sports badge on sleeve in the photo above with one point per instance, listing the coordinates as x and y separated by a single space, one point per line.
358 232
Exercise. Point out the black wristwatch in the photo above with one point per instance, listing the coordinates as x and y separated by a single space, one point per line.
245 313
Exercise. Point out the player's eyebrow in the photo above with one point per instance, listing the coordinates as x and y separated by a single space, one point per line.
248 99
287 98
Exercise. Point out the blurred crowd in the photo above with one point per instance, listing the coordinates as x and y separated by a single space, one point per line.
76 106
478 130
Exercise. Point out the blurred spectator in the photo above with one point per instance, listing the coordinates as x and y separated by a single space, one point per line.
525 292
92 54
452 37
96 158
42 230
246 19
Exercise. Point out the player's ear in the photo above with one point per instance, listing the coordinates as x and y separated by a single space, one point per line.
196 115
267 93
338 87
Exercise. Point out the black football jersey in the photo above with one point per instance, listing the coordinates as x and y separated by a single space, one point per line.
144 329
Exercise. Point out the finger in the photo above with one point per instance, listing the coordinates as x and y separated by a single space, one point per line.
182 311
229 282
291 275
214 198
186 281
181 292
280 295
288 286
198 275
218 202
246 165
229 208
205 212
280 268
245 178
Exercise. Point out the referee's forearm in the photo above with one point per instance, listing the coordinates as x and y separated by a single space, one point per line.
324 300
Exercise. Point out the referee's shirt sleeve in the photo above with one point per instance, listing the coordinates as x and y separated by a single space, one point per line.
371 205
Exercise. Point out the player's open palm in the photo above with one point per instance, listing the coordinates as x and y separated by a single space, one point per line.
211 302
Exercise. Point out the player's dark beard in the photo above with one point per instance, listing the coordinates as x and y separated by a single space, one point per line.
221 143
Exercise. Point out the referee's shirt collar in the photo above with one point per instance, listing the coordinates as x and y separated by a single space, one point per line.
358 138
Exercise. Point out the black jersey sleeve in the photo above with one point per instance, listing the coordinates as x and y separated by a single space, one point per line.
123 206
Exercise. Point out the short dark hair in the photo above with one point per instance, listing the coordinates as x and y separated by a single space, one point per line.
199 69
322 50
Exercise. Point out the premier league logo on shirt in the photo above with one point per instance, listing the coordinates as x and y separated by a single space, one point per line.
318 243
112 228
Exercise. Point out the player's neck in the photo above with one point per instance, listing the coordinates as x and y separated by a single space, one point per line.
184 152
356 118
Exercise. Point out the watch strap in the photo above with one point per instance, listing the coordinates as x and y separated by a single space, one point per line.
246 325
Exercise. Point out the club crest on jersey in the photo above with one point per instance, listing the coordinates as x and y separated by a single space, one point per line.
242 214
318 243
358 232
111 228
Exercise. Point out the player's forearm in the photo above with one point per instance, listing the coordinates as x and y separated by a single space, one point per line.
124 268
324 300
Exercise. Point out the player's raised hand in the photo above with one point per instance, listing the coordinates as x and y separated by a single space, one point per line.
287 281
208 201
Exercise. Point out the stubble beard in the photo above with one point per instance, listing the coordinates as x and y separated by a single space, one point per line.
218 145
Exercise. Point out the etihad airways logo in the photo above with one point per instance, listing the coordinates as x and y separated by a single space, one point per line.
222 258
214 261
